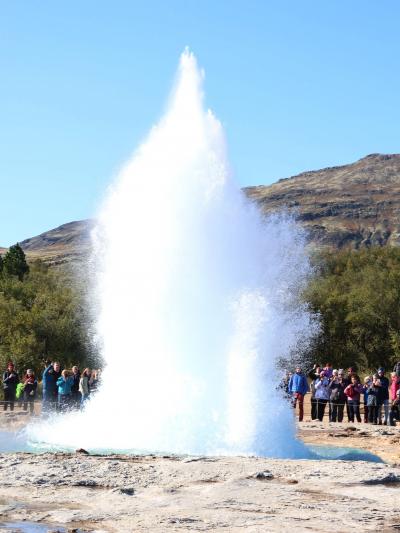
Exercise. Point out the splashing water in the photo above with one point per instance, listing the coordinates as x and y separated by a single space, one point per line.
197 298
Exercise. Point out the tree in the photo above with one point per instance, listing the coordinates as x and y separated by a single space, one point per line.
1 264
43 316
14 262
356 295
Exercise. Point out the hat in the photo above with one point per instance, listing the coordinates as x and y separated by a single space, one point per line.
381 369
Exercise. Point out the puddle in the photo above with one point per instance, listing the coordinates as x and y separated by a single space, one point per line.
17 442
343 454
31 527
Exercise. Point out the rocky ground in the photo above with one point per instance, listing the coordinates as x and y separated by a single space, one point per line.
233 494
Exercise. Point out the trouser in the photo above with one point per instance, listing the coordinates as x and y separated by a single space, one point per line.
49 402
300 398
347 409
394 414
337 409
321 404
373 414
84 399
354 410
365 413
31 405
386 411
314 413
76 399
9 399
64 402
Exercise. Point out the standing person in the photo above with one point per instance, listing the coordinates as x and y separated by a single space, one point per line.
84 386
10 382
333 376
321 394
30 386
298 388
49 380
337 397
347 381
93 382
383 397
373 391
396 369
328 370
394 413
353 392
314 375
75 393
64 384
367 383
394 386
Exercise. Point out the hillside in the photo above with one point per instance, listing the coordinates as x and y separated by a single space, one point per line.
352 205
68 243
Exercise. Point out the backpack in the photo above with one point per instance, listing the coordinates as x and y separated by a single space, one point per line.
19 390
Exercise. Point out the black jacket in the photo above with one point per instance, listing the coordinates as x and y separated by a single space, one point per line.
337 391
383 393
10 380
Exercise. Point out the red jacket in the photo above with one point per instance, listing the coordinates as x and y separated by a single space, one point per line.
353 391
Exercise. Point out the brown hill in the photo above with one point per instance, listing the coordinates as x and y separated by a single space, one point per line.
68 243
352 205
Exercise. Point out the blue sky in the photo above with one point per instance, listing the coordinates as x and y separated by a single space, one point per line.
297 84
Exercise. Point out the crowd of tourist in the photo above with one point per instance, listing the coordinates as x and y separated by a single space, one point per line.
62 390
342 391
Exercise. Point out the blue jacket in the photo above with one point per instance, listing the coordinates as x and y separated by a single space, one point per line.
65 385
298 383
50 380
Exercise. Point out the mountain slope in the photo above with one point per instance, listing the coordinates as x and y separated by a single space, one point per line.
352 205
69 243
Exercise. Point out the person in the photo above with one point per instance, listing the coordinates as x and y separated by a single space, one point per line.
353 392
328 370
372 400
10 382
394 386
321 394
347 381
84 386
94 381
337 397
394 413
334 375
75 393
284 385
383 397
314 373
396 369
298 388
49 380
29 393
64 384
367 383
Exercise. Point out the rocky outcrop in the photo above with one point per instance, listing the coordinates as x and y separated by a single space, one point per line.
353 205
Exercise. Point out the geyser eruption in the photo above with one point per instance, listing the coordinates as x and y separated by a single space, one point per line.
197 298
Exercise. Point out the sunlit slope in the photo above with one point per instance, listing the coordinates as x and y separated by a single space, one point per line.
352 205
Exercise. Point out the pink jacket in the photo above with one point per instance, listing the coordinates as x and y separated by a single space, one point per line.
394 387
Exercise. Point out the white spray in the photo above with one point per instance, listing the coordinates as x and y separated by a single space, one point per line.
197 297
